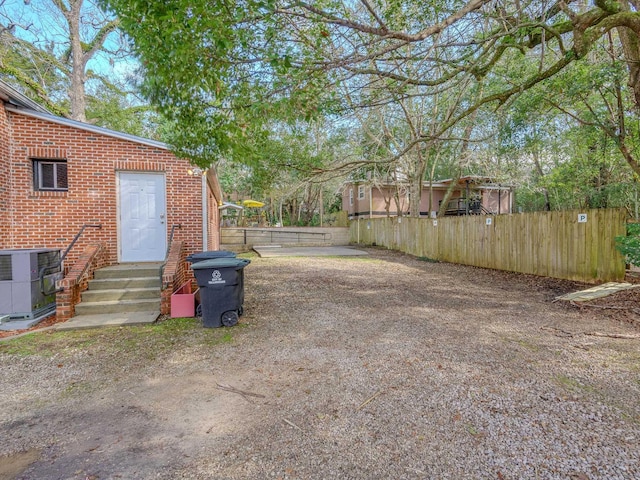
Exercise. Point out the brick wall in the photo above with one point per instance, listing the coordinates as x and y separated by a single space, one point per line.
52 219
174 275
77 280
5 187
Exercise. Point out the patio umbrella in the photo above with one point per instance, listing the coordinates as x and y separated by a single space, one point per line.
252 204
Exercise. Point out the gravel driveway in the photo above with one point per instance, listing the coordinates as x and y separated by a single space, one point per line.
378 367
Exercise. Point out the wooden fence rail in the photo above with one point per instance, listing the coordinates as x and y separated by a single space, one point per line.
249 236
573 245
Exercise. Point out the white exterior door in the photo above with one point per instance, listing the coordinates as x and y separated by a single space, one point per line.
143 229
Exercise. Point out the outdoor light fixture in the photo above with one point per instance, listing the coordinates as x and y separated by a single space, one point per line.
195 171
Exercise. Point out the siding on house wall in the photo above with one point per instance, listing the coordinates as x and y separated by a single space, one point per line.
490 201
5 162
497 202
381 195
378 202
345 201
438 196
361 204
52 219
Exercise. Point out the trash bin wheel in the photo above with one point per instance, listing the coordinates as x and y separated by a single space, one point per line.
199 311
240 310
230 318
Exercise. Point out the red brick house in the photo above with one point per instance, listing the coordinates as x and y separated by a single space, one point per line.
58 175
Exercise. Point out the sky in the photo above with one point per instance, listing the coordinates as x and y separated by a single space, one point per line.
42 24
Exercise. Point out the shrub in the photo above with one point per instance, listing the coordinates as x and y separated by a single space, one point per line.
629 245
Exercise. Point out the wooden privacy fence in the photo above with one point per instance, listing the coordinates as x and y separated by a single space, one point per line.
574 245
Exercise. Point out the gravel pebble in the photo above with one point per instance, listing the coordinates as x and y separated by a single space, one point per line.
376 367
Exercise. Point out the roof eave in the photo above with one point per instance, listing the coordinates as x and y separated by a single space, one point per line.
11 96
214 185
87 127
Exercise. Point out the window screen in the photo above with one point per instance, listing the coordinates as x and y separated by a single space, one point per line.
50 174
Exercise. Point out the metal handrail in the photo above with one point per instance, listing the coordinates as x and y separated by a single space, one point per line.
486 211
43 270
166 255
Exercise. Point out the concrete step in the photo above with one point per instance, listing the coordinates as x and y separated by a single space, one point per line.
101 295
120 283
129 270
128 287
109 320
116 306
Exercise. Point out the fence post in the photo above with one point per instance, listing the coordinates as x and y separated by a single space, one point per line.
553 244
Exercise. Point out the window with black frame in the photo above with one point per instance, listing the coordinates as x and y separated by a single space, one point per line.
50 175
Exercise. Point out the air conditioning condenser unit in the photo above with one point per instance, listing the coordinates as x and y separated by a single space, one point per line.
20 287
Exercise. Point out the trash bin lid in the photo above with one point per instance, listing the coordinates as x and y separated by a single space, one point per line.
225 262
209 254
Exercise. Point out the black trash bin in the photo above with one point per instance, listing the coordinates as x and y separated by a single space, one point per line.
221 282
209 254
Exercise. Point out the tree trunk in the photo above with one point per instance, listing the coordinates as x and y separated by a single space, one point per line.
545 191
449 192
631 49
78 63
415 186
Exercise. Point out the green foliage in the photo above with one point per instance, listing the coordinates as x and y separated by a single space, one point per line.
428 260
556 139
46 344
110 108
280 170
40 59
629 245
236 80
146 341
34 72
215 70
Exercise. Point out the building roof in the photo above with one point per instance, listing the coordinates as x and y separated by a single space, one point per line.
89 128
214 184
230 205
11 96
477 180
18 103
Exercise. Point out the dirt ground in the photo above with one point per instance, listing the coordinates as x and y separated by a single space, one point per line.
383 366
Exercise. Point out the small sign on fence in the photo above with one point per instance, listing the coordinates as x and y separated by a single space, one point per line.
532 243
